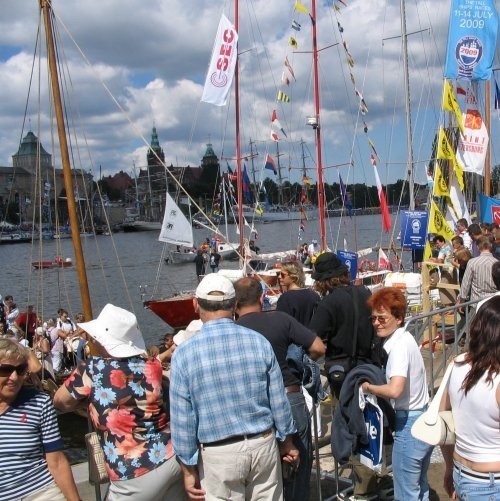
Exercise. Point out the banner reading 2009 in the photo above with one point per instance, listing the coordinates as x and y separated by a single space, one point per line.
472 39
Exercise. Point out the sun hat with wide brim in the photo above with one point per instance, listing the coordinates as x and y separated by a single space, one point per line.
116 330
328 265
192 329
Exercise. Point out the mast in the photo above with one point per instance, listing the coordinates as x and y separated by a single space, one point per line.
406 77
487 123
280 179
63 144
317 129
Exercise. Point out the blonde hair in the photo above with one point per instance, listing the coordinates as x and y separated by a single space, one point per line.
295 272
12 350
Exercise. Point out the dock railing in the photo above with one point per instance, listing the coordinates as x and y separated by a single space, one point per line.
442 333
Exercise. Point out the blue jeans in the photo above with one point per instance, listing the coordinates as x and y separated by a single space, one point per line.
475 490
410 460
296 486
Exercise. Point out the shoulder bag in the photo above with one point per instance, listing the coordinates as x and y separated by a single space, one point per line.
436 427
95 456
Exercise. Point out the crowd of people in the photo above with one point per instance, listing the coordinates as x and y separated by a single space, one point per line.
221 409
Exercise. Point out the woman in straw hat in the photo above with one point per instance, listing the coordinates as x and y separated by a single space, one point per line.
123 387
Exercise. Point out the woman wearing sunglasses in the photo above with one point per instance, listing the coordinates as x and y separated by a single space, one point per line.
407 388
32 462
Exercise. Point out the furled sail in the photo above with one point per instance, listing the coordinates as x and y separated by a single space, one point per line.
176 229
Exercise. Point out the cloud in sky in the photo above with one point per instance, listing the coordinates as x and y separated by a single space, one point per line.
153 57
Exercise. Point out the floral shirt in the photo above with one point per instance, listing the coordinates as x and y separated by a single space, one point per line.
127 410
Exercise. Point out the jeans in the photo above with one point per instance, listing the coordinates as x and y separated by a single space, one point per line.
410 460
475 490
296 485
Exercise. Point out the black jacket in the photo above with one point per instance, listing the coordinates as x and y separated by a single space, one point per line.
348 427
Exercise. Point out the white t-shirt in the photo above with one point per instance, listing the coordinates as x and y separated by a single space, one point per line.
406 360
486 299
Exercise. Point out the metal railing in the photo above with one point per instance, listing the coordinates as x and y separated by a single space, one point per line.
442 333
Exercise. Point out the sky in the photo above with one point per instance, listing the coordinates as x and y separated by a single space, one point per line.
152 57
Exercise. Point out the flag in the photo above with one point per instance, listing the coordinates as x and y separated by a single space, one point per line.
427 251
230 174
301 8
220 76
295 25
445 152
245 185
438 224
283 97
372 146
341 29
289 68
383 261
497 96
293 43
274 136
386 216
285 79
270 164
450 104
306 180
276 123
458 202
346 201
440 188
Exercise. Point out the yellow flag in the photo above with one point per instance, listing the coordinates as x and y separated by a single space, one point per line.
440 186
459 174
438 224
259 210
300 8
445 152
427 251
293 42
450 104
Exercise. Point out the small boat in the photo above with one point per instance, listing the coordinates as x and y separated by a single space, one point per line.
177 311
58 262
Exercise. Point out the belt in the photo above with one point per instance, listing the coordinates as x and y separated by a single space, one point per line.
239 438
293 388
475 475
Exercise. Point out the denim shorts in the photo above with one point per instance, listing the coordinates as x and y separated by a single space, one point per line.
475 486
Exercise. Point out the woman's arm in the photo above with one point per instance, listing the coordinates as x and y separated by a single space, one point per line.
60 470
64 401
393 389
447 451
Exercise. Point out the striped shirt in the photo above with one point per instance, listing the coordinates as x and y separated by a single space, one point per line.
28 430
478 281
225 381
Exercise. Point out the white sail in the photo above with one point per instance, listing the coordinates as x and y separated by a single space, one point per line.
175 229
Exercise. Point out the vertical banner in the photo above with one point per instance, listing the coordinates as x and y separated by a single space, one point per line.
472 39
350 259
221 70
413 229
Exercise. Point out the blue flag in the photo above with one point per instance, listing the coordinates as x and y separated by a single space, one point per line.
245 185
472 40
270 164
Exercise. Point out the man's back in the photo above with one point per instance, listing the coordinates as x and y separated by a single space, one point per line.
477 281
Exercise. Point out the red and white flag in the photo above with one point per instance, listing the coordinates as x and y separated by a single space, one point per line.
221 70
384 209
383 261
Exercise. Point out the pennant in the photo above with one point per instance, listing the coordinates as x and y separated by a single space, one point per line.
276 123
450 104
220 76
384 209
383 261
365 128
301 8
274 136
336 7
341 29
438 224
306 181
245 185
293 43
440 186
285 79
296 26
372 146
342 2
283 97
289 68
497 96
270 164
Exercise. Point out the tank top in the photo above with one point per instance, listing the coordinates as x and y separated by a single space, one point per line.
476 416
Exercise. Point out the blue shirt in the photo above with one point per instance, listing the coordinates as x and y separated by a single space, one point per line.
225 381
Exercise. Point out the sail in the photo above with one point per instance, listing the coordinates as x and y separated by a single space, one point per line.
176 229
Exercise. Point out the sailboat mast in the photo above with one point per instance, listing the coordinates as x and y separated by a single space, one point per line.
317 128
487 122
237 130
63 144
406 78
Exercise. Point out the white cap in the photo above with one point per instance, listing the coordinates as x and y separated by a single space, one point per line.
215 287
314 241
40 331
192 329
117 331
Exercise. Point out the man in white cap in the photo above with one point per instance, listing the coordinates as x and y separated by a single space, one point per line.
228 405
313 249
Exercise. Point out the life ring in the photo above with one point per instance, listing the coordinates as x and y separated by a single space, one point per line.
367 265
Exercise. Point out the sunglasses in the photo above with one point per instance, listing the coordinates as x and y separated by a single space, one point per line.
7 369
379 319
283 275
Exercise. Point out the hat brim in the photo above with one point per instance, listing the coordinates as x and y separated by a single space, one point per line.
325 275
115 347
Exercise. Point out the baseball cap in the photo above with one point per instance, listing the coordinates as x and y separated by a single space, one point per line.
215 287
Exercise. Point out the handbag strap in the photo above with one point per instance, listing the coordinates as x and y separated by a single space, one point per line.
432 413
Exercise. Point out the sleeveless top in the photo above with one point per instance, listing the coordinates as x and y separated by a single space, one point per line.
476 416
